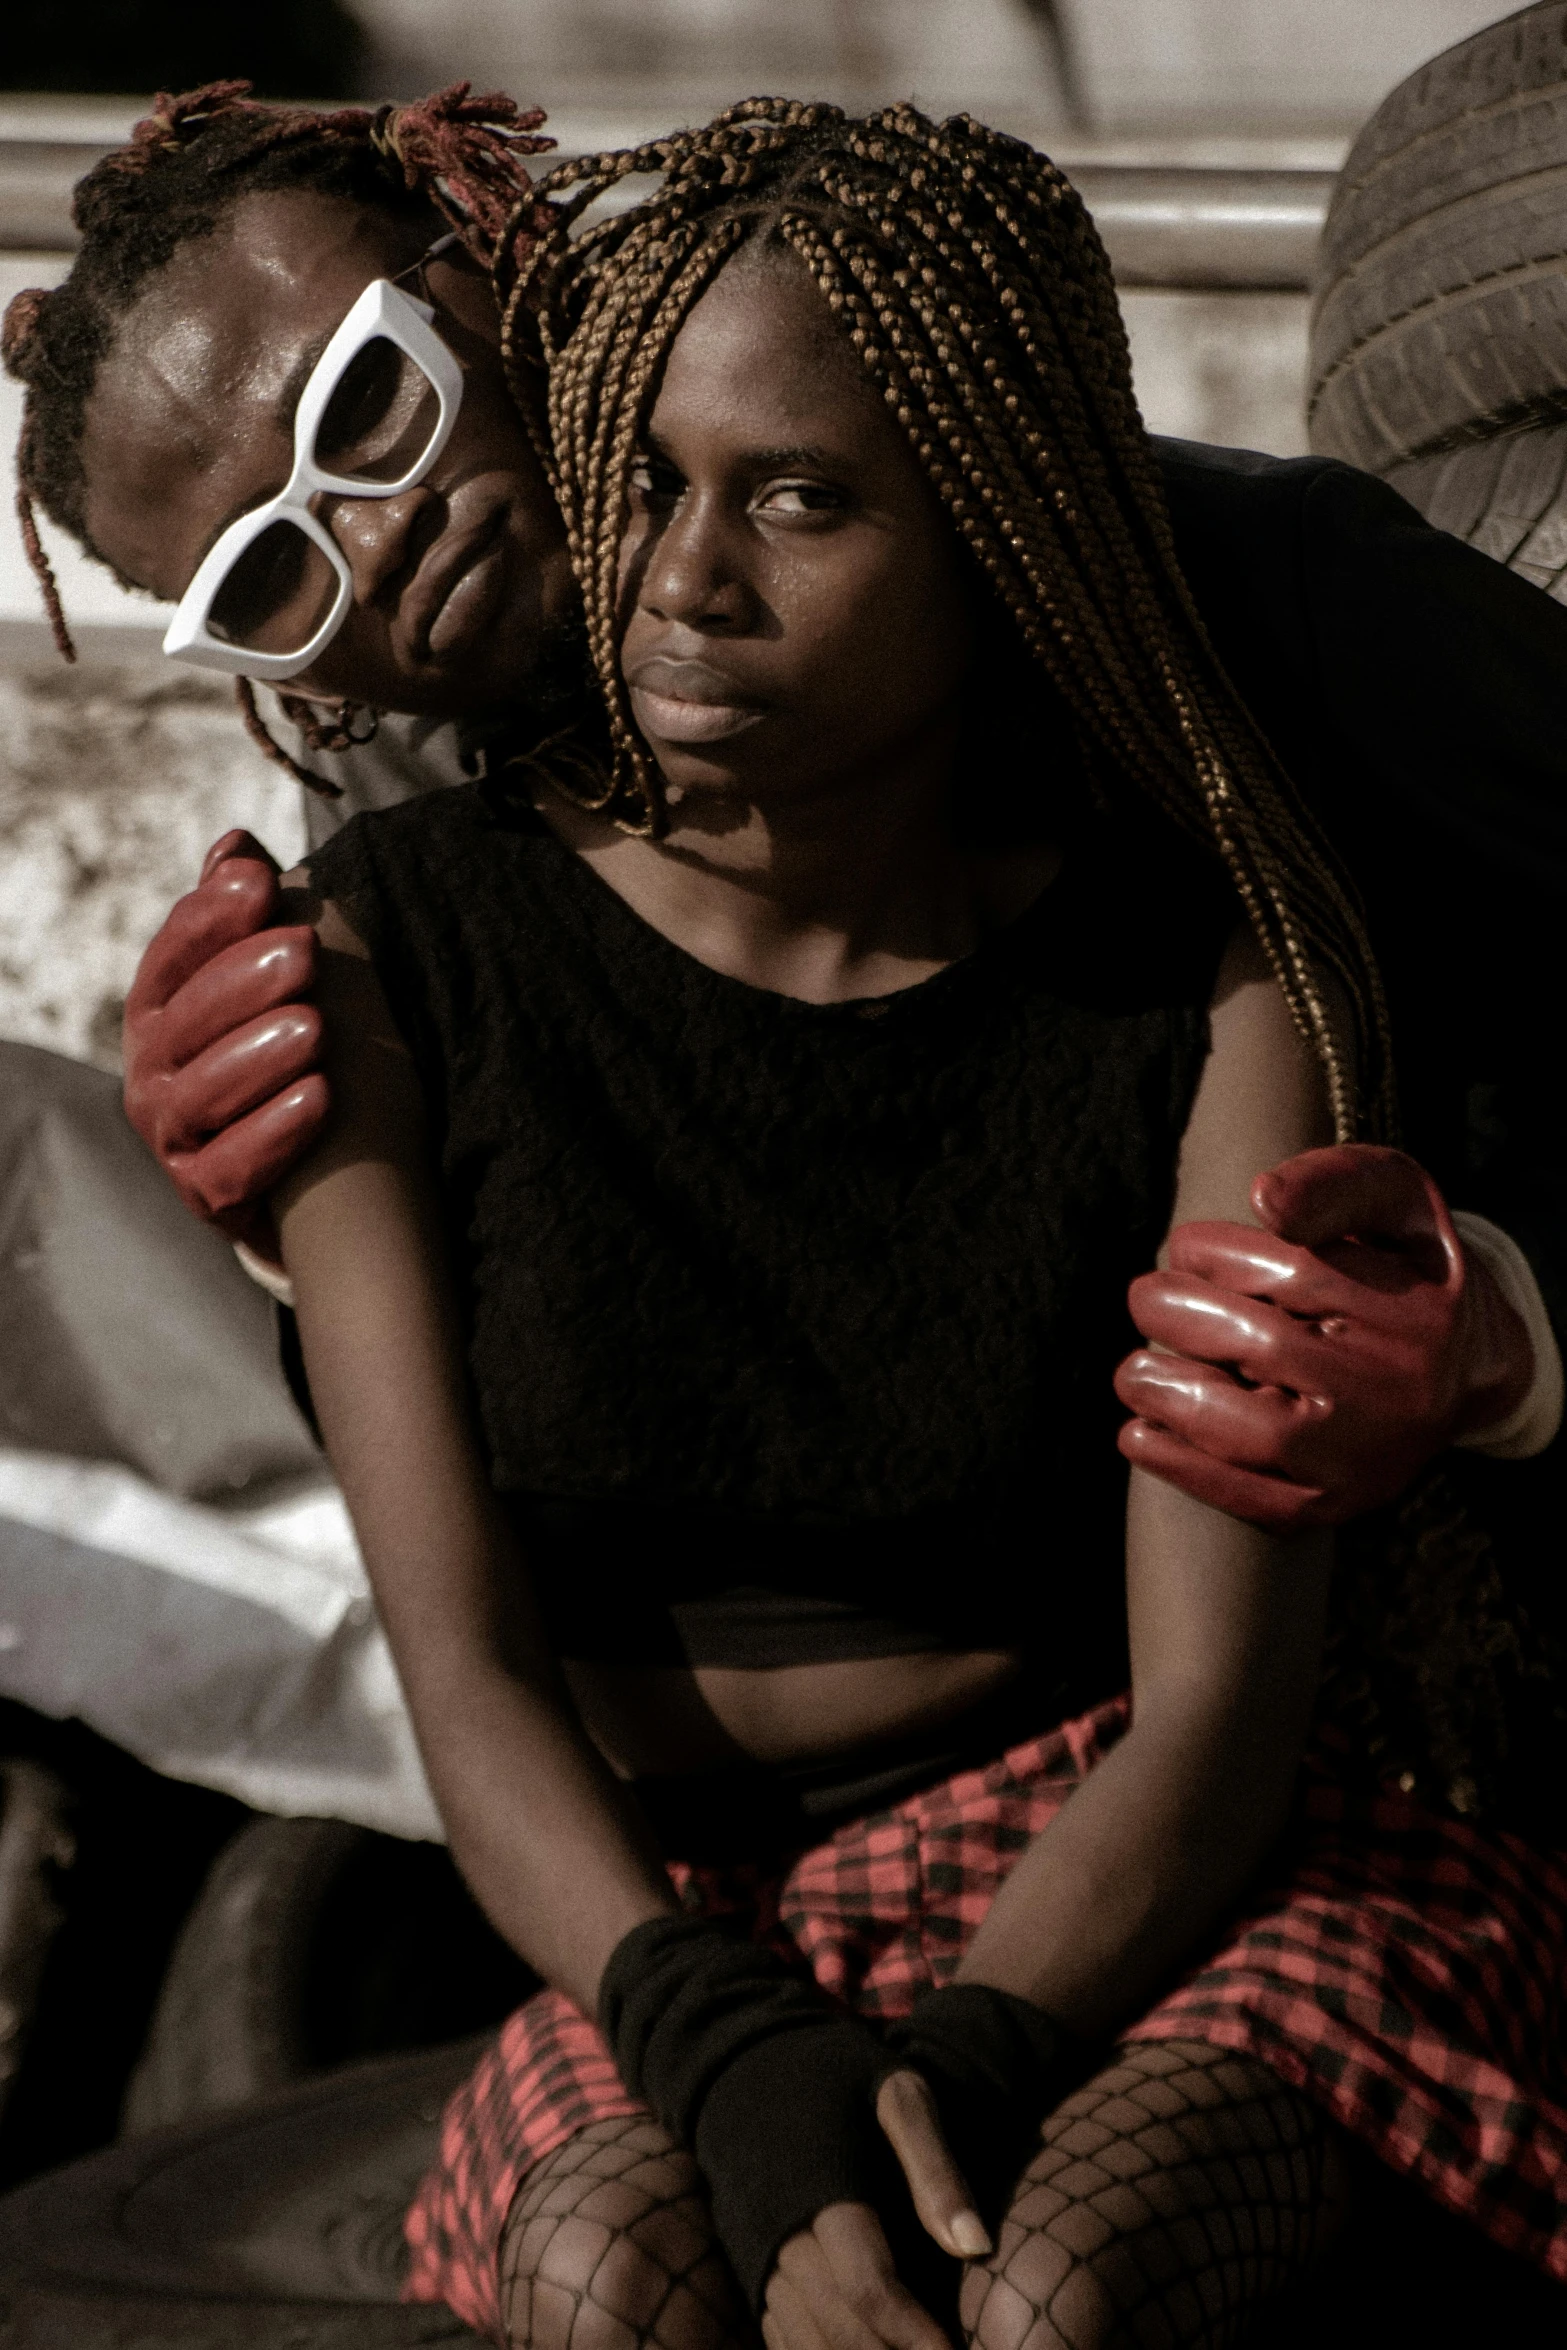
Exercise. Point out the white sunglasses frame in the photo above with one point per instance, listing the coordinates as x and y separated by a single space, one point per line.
381 310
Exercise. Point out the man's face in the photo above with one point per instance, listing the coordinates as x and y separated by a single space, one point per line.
461 585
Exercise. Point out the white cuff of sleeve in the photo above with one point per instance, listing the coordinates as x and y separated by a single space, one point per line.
1531 1427
276 1282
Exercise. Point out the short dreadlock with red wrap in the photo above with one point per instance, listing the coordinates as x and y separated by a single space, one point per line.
451 159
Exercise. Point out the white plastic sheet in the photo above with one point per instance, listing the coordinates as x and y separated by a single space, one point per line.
235 1646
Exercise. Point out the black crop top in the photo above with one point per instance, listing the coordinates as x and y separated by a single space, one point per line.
791 1326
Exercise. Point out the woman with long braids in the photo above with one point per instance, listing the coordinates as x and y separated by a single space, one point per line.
749 1113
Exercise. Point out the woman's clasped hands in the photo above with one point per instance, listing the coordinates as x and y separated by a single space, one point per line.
836 2283
848 2167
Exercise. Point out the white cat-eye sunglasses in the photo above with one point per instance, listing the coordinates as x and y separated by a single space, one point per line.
376 412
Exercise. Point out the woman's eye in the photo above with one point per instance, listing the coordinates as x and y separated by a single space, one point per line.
801 497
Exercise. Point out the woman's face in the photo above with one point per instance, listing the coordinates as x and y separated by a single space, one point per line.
460 585
796 609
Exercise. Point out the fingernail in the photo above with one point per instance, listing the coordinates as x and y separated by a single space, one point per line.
970 2235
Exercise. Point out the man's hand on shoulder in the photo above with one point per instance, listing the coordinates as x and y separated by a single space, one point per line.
221 1081
1303 1372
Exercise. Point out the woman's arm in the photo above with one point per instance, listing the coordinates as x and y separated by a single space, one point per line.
552 1845
1226 1633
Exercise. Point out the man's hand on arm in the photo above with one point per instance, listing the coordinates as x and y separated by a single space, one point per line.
1300 1374
221 1080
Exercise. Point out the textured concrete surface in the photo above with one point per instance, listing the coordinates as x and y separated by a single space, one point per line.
1257 64
112 782
1229 368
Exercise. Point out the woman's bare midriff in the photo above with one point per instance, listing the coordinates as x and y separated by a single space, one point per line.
649 1721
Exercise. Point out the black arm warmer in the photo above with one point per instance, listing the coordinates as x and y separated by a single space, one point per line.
996 2066
748 2064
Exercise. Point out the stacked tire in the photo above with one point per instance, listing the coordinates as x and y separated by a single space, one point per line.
1439 334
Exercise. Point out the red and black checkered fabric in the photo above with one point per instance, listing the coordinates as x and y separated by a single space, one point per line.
1403 1970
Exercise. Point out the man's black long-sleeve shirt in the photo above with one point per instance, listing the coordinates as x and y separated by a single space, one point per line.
1416 693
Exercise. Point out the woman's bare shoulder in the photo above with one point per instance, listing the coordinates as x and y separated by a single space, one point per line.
1262 1095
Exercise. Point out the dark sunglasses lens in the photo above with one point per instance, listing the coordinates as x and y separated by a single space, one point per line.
276 595
380 419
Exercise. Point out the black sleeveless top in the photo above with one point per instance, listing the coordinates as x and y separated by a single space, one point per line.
791 1326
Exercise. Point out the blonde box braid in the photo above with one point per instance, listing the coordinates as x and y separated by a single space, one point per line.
965 271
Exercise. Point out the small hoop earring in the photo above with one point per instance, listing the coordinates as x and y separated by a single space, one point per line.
260 734
332 728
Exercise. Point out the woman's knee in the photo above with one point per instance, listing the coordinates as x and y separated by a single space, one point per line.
609 2246
1177 2193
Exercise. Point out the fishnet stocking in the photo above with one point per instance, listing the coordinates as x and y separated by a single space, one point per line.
1174 2197
609 2245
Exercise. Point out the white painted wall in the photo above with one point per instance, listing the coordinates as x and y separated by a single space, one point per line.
1261 63
1239 64
713 50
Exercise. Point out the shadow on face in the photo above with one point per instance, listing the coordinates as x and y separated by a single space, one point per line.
457 583
797 611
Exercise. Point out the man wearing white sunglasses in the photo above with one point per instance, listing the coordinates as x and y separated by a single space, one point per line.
302 438
376 411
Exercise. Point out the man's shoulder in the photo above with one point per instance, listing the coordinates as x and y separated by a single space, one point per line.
1278 551
439 827
399 758
432 844
1216 463
1243 492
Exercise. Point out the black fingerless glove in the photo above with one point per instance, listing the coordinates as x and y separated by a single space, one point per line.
996 2067
747 2063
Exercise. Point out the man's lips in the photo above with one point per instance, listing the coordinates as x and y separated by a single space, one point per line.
688 701
444 570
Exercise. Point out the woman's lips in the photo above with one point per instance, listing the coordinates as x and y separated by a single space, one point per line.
671 718
687 701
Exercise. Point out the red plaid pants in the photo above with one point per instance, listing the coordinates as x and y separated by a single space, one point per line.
1404 1971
